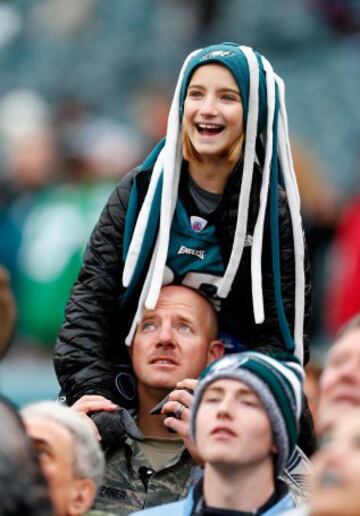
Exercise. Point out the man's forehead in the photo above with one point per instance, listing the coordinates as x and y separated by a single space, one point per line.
349 343
41 428
183 300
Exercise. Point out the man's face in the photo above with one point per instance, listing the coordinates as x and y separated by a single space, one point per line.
54 445
334 485
340 381
232 427
174 341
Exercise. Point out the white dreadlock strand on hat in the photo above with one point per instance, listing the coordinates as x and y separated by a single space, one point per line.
140 227
169 163
256 251
291 187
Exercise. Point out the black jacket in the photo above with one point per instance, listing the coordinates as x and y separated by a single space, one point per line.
91 339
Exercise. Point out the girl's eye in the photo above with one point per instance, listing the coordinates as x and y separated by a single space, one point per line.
194 93
229 97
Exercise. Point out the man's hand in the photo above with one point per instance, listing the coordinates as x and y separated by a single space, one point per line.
180 401
91 403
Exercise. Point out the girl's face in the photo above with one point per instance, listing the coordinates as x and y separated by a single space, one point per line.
213 112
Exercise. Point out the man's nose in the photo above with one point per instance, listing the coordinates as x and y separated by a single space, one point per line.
166 335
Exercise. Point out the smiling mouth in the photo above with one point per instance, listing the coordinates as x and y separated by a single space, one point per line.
209 129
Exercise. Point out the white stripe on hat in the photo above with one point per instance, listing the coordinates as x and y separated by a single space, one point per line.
141 223
290 375
144 293
256 251
294 207
248 168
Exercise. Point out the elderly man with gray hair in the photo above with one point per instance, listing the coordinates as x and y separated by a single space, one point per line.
69 453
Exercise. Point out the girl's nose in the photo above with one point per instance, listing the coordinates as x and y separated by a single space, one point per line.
209 105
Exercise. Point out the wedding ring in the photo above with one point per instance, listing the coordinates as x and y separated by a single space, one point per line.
179 411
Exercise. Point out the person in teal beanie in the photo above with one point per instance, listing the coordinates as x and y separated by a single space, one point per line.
215 207
244 421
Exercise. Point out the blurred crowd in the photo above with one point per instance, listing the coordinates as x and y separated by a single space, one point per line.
81 103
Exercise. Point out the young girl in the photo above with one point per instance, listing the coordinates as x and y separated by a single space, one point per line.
215 207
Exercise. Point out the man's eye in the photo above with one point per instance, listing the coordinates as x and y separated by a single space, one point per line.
42 454
148 326
184 328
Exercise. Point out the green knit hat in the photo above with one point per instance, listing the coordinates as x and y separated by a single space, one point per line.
278 384
232 57
266 143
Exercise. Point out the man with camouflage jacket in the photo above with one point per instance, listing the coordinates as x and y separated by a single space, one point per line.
146 464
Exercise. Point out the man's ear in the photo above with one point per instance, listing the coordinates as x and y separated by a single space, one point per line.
83 495
216 350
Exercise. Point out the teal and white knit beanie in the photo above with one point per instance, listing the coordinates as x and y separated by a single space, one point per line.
278 384
267 143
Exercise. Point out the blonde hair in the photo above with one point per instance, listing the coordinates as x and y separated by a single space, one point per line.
191 154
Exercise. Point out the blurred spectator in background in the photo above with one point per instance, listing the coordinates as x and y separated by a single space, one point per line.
23 490
7 312
340 380
342 299
29 158
50 222
334 482
150 109
343 16
70 455
321 204
28 164
313 372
